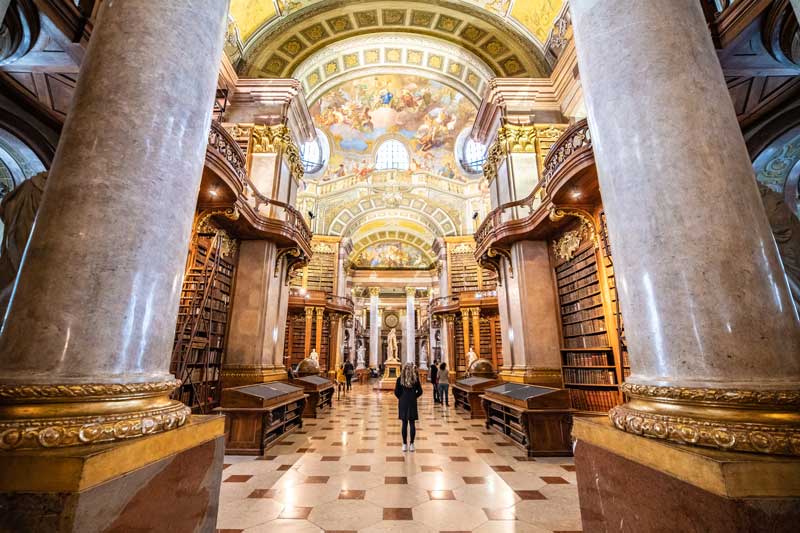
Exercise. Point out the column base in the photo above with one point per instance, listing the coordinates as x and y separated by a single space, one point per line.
168 480
238 376
546 377
630 483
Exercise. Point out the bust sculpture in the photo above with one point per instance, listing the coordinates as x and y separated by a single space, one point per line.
391 345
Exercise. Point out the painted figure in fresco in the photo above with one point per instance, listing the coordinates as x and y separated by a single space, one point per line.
391 346
18 212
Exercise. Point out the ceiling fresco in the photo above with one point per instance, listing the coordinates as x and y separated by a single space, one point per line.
392 254
425 115
507 36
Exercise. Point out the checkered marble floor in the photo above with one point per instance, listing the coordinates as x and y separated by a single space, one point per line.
346 472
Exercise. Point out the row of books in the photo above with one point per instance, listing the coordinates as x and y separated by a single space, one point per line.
590 341
585 314
578 262
586 359
585 303
593 400
579 294
583 282
577 275
598 376
587 327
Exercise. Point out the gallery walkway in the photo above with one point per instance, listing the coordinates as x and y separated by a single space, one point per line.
346 472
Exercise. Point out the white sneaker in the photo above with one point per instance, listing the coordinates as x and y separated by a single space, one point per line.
405 448
411 448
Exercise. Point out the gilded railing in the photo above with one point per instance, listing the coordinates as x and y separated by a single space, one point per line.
223 144
575 138
386 178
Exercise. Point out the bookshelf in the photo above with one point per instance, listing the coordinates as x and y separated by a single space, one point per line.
589 363
202 324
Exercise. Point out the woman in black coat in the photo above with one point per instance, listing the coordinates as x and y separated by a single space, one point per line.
407 390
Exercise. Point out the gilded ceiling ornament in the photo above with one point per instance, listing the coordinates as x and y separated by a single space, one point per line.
322 248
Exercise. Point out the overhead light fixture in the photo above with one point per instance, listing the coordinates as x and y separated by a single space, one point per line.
576 194
212 192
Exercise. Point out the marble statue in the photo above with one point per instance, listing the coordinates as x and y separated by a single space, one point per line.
361 353
391 346
423 357
314 356
471 357
786 229
18 212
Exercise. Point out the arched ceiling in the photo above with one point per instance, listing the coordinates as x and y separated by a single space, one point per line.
506 35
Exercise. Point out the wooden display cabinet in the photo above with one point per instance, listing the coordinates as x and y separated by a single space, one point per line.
467 395
319 392
537 419
258 415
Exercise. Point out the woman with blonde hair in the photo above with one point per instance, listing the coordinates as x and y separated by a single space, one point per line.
407 390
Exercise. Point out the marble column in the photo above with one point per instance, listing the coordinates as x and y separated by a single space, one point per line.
254 353
713 334
476 329
374 327
320 316
529 313
411 292
307 333
465 323
86 342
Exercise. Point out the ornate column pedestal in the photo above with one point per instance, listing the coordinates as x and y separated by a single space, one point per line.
85 412
712 332
528 317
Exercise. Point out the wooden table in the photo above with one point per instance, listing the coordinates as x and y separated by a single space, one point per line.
467 395
537 419
256 416
319 391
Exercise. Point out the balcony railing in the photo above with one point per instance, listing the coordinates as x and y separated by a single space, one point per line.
443 304
576 137
343 303
226 149
386 178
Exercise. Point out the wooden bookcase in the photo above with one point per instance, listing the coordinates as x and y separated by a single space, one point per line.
590 366
202 324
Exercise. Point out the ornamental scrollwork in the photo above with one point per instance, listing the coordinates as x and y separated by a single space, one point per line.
28 392
724 396
272 139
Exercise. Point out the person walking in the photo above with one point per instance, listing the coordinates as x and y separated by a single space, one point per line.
444 384
340 381
435 381
349 370
407 390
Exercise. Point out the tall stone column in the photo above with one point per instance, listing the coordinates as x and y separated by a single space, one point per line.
476 329
110 241
309 328
86 342
320 314
465 320
529 312
411 292
254 353
713 334
374 327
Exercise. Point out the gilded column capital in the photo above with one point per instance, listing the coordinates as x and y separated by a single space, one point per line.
411 292
374 291
273 139
319 311
309 312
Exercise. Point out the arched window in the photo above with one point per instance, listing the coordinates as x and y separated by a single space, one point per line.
314 154
470 154
392 154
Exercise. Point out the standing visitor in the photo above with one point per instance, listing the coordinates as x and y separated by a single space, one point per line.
340 381
444 384
349 370
407 390
435 381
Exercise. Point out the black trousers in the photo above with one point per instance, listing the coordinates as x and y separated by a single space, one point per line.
406 424
436 393
349 379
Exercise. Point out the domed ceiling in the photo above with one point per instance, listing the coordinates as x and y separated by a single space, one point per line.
271 38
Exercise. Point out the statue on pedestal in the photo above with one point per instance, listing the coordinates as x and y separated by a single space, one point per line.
391 346
314 356
471 357
423 357
361 353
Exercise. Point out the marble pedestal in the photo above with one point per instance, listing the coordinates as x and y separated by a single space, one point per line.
391 371
630 483
166 481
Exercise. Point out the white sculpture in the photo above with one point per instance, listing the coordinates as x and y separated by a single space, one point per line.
391 346
471 357
314 356
423 358
361 353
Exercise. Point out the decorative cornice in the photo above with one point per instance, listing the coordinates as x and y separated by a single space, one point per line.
274 139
